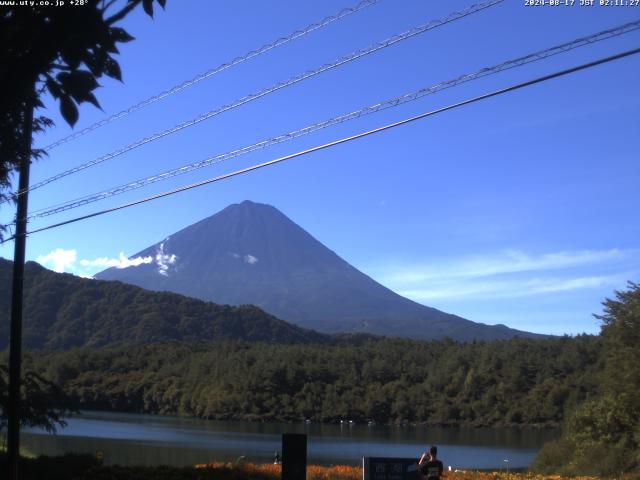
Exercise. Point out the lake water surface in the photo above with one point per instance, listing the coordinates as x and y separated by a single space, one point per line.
132 439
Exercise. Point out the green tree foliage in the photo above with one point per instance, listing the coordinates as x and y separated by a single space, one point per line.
43 403
621 333
515 382
60 51
603 435
63 311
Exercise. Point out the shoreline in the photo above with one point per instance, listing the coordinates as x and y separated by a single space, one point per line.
249 419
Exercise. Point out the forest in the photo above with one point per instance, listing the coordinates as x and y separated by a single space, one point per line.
384 380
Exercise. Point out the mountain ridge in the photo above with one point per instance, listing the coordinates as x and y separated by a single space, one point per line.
62 311
251 253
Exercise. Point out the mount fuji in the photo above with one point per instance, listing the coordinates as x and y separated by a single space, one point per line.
251 253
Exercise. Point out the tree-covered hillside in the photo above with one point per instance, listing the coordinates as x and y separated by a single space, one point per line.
513 382
602 437
63 311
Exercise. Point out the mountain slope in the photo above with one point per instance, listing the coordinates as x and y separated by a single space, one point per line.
252 253
63 311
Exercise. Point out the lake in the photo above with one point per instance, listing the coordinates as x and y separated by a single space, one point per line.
133 439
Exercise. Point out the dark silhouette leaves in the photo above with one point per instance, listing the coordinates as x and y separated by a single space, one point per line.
57 50
68 110
112 69
120 35
148 7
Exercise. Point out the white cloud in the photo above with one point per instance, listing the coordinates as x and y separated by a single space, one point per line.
121 262
511 288
250 259
512 274
164 260
510 261
59 259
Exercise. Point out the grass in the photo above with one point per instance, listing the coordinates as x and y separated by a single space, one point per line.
86 467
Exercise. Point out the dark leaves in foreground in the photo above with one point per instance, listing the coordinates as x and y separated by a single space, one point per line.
43 403
62 51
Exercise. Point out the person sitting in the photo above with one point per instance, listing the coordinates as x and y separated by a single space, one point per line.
429 465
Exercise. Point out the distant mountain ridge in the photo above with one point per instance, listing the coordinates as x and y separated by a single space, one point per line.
251 253
62 311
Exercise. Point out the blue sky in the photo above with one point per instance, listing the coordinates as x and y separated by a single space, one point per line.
519 210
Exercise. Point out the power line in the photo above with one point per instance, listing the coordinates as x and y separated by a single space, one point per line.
390 103
214 71
485 96
475 8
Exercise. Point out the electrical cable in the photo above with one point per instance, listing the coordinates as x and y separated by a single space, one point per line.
485 96
390 103
475 8
220 68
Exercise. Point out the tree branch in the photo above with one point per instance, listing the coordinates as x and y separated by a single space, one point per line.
122 13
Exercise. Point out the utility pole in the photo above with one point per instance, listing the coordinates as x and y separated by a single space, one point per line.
15 341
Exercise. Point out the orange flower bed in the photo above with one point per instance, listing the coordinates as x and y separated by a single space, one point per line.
344 472
314 472
472 475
